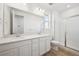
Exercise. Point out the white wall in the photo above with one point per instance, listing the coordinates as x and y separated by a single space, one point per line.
58 27
32 24
70 12
6 20
51 24
62 31
1 19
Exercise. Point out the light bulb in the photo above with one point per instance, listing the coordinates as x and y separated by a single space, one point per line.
68 6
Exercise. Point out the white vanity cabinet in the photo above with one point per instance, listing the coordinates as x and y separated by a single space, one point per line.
9 49
25 50
35 47
20 48
48 40
10 52
44 44
40 45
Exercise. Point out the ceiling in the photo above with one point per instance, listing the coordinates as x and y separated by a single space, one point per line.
60 7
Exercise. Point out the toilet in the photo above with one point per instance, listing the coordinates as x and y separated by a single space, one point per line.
55 45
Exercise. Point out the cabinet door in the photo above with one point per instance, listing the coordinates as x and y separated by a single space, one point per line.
48 40
10 52
42 45
25 50
35 47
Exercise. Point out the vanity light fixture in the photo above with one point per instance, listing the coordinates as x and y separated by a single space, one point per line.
50 3
25 4
68 6
39 9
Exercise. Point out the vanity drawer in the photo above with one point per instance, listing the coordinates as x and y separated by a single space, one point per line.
14 44
10 52
36 40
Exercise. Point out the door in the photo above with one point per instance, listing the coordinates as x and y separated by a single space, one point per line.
72 26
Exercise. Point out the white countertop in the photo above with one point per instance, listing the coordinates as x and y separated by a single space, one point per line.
20 38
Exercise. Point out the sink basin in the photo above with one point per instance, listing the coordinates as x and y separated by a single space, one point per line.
17 35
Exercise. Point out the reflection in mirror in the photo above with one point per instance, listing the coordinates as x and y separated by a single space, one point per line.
17 25
22 22
46 23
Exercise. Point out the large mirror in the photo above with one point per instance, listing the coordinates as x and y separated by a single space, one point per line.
17 21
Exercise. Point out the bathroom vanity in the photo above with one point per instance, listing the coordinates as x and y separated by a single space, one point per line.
20 32
25 45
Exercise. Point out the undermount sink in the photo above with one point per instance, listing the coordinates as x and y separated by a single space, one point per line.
18 35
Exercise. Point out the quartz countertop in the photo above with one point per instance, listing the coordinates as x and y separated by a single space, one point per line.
16 38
